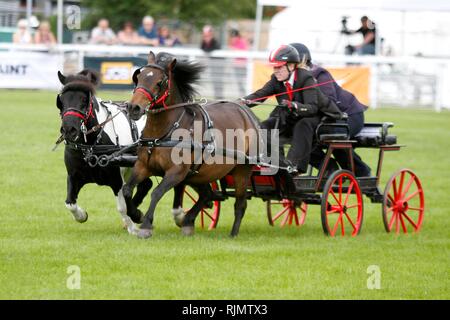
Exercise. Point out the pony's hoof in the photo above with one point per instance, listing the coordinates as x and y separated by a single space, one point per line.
79 214
187 230
178 216
130 226
82 217
144 233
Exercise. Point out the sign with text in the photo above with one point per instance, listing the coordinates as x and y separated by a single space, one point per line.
30 70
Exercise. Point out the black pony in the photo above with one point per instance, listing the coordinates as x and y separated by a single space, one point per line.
81 111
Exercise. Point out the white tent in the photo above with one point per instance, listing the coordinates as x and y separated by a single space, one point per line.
408 27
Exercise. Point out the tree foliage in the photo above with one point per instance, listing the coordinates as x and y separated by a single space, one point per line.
195 12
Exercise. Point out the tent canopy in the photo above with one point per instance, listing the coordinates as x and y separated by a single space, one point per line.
394 5
396 22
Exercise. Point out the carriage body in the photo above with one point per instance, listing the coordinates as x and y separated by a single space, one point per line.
339 193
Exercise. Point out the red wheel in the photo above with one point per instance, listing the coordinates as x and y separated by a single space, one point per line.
342 204
286 211
208 216
403 202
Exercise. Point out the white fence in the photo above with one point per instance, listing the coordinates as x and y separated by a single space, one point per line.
395 81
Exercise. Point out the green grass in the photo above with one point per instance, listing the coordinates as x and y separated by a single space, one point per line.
39 239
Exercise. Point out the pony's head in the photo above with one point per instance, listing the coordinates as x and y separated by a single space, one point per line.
162 82
75 102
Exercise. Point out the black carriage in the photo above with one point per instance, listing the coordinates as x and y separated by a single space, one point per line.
340 194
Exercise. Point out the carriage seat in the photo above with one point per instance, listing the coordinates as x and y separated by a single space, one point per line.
331 129
375 134
327 130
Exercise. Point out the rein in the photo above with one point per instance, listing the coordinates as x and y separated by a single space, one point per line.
295 90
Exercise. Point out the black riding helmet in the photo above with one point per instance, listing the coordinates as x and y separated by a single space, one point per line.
282 55
303 51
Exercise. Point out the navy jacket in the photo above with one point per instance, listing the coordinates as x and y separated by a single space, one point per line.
344 99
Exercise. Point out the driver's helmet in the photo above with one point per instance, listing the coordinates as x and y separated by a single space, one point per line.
283 55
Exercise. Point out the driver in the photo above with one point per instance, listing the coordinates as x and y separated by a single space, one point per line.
299 111
347 103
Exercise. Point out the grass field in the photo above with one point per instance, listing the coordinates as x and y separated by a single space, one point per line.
39 239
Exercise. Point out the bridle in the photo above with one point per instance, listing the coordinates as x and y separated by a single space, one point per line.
74 112
153 99
79 114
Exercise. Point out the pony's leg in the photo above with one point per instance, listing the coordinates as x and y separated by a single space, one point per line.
73 188
177 210
131 227
138 174
241 175
142 190
188 221
172 178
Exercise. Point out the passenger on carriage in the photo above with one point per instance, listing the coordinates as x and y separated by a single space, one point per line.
347 103
299 111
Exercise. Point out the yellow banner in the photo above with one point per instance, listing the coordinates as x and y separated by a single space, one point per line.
116 72
355 79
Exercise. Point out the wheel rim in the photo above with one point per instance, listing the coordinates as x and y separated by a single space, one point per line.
286 212
403 203
208 217
342 205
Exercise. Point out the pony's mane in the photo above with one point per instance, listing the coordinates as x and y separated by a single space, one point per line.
79 85
85 80
186 74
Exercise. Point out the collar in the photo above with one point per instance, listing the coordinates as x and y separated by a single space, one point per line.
292 78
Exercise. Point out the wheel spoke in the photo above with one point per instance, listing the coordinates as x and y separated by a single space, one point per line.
350 220
390 198
333 211
342 225
280 214
335 226
348 193
296 217
340 189
410 220
414 208
412 195
402 223
334 196
394 213
202 219
283 223
303 209
400 188
394 186
408 185
207 213
397 226
190 196
291 217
